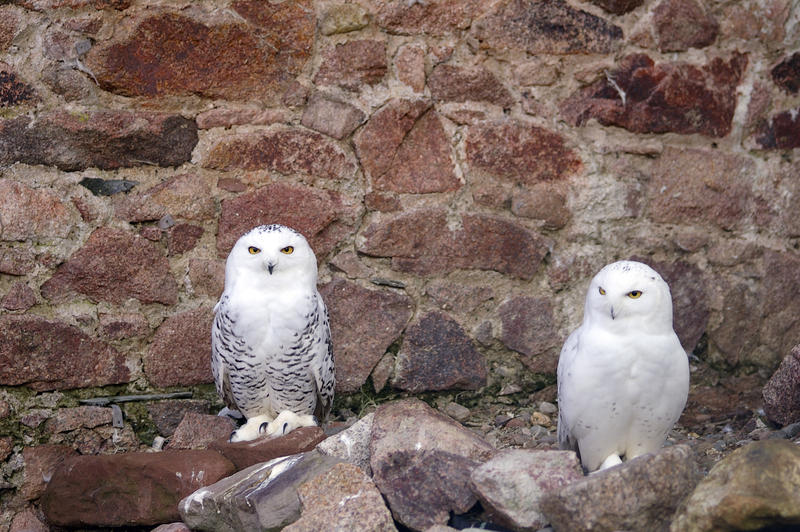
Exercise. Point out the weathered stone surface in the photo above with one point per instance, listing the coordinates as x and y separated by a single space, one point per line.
344 496
168 414
436 355
28 521
459 298
284 149
528 328
426 18
782 391
40 463
343 18
182 238
331 117
542 201
352 64
352 444
519 152
19 297
51 355
66 419
200 430
662 98
16 260
180 352
422 461
683 24
206 277
114 265
31 213
364 323
14 91
544 28
786 74
422 242
121 326
105 139
409 65
463 84
512 482
169 53
246 453
240 115
618 7
641 494
781 131
404 148
9 25
324 217
261 497
128 489
754 488
699 186
184 197
737 21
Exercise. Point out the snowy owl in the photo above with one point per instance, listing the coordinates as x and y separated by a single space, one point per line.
623 377
271 349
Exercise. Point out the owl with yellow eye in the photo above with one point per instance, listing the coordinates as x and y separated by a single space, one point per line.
623 377
271 352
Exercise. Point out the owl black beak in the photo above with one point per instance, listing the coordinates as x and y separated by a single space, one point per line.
270 267
613 316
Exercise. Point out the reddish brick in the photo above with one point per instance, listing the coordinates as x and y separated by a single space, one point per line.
180 353
31 213
463 84
352 64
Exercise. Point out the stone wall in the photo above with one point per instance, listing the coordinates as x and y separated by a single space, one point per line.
461 168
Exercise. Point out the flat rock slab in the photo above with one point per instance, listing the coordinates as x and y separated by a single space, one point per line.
133 489
756 487
246 453
638 495
511 484
422 460
261 497
352 444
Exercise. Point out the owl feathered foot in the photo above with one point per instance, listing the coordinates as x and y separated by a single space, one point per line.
250 430
286 422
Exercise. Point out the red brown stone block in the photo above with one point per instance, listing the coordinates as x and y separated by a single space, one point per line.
40 463
423 243
199 430
404 148
781 132
463 84
207 277
518 152
67 419
31 213
247 453
528 328
699 186
683 24
437 355
9 25
105 139
409 64
649 97
180 353
114 265
170 53
786 74
324 217
542 201
51 355
544 28
19 297
352 64
131 489
184 196
16 260
331 117
364 323
288 150
182 238
426 18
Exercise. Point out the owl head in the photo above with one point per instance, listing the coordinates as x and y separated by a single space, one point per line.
629 294
272 256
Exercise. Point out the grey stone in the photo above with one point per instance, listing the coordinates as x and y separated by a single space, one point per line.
261 497
511 484
641 494
352 444
331 117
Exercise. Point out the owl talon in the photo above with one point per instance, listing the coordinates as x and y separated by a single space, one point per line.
263 427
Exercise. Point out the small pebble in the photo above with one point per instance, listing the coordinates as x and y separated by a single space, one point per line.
540 419
457 411
547 408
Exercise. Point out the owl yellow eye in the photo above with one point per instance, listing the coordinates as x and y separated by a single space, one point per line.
602 292
635 294
253 250
288 250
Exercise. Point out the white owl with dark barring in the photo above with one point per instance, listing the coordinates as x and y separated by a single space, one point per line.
623 377
271 351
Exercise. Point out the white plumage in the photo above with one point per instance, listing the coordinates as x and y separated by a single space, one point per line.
623 377
271 349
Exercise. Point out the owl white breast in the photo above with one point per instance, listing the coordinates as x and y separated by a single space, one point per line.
623 377
271 343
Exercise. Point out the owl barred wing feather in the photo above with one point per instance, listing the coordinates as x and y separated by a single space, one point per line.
565 439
